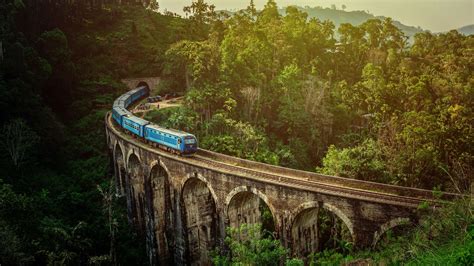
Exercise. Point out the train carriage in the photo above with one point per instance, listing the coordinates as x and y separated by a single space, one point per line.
127 99
134 124
182 142
178 141
118 113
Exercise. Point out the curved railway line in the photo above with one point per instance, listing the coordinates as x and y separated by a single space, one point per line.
302 180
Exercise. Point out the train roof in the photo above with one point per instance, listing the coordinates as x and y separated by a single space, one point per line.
136 90
126 95
169 131
121 110
123 97
119 103
137 120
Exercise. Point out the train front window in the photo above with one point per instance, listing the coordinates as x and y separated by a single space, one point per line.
189 141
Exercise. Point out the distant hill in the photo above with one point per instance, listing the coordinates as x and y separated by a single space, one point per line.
355 18
338 17
467 30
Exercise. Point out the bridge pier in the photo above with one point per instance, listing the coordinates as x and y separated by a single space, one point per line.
363 235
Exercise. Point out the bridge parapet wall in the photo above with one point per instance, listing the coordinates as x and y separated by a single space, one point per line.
353 183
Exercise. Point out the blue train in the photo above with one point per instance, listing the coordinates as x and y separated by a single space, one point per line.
169 139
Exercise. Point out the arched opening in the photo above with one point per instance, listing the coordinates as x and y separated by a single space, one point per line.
136 192
318 227
143 84
200 216
119 170
246 207
390 231
161 213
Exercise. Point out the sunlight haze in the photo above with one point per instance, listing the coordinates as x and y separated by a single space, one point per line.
433 15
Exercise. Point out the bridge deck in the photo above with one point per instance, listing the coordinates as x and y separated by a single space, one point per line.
307 181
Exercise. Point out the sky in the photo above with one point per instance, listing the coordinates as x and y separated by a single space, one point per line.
433 15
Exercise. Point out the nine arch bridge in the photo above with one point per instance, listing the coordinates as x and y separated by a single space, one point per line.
183 205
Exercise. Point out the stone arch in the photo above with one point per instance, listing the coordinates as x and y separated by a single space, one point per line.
387 226
119 168
200 217
143 83
131 153
158 213
341 216
118 145
203 179
305 227
243 205
135 187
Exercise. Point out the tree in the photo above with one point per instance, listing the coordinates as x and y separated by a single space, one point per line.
54 47
196 61
364 162
251 9
202 14
19 141
108 197
249 247
154 5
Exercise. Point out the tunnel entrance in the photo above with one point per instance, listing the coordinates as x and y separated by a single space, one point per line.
143 84
201 221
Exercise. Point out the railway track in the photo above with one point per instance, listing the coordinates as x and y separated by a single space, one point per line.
315 186
222 163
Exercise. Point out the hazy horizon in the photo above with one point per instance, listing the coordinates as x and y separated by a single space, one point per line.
433 15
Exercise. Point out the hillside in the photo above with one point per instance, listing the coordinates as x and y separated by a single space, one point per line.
355 18
467 30
339 17
59 77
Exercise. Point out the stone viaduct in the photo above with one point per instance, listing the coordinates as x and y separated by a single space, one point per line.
182 205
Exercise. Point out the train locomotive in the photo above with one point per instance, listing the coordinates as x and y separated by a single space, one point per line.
174 141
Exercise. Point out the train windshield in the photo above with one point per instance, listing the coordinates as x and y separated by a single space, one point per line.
190 140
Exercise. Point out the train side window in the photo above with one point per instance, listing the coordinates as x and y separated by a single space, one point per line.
179 141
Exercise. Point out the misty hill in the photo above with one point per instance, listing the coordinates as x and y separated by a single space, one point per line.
355 18
338 17
467 30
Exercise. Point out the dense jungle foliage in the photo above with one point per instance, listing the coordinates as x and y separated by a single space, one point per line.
259 85
283 90
60 70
